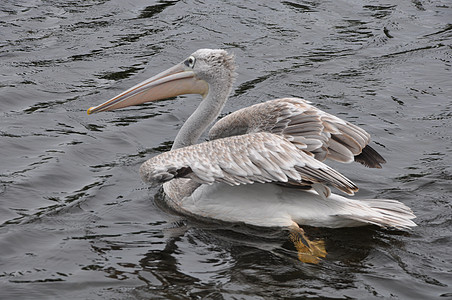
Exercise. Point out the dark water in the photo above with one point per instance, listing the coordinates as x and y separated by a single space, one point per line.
77 223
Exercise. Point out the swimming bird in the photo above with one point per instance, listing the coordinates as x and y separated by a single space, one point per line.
263 165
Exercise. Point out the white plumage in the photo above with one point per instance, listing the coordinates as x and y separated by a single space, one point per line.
264 165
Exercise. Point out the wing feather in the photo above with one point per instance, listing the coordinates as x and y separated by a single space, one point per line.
312 130
258 157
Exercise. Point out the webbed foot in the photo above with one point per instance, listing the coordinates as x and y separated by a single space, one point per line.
308 251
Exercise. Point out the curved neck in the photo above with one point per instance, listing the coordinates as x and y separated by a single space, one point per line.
203 116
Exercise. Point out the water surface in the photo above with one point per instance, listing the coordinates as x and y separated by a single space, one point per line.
75 219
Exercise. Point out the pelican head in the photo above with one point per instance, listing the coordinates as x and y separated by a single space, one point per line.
194 75
212 64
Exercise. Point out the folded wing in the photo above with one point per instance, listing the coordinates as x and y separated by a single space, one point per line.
312 130
244 159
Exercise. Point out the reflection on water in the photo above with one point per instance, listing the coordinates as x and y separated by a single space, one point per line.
75 220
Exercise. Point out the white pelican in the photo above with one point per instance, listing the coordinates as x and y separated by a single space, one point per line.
263 164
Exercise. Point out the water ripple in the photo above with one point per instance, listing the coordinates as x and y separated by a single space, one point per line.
76 221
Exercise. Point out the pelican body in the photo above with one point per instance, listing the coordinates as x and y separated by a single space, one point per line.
263 165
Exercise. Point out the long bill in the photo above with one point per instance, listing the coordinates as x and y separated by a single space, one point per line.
170 83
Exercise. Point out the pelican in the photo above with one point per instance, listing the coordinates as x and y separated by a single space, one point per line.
263 165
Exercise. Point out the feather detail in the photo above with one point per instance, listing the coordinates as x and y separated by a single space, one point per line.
310 129
259 157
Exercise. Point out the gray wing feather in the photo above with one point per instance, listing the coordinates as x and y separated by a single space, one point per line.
315 131
259 157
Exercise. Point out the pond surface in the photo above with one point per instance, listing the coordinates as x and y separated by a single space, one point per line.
76 222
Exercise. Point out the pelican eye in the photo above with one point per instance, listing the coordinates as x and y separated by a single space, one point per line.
190 62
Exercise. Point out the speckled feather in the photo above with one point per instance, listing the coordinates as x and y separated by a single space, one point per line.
245 159
320 134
